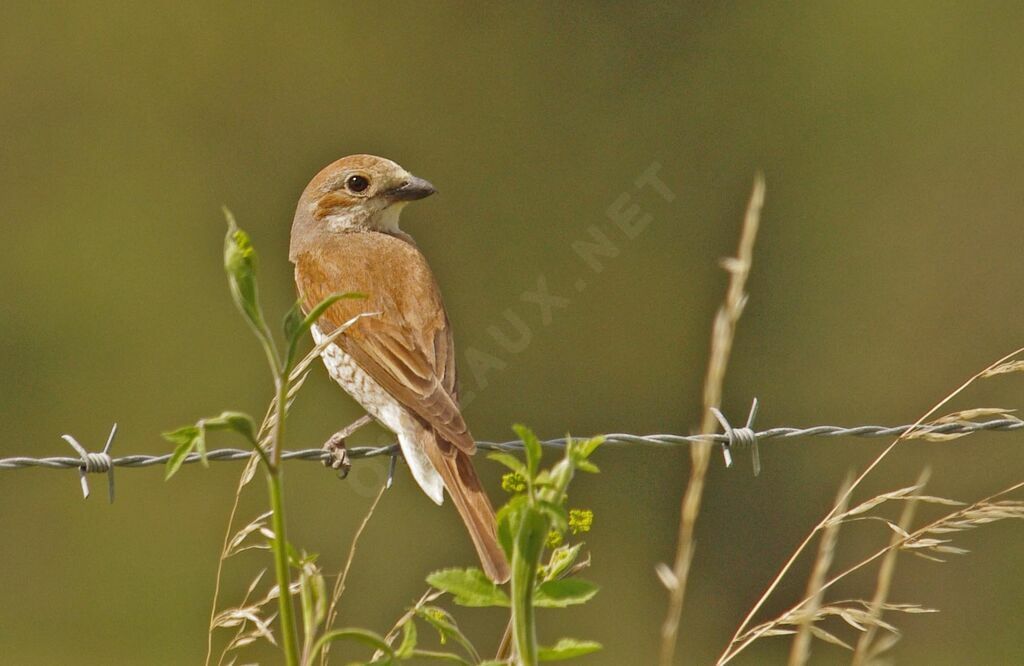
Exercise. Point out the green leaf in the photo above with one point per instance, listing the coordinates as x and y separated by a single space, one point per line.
512 507
564 592
532 447
294 558
193 438
408 639
364 636
561 559
236 421
544 479
579 452
303 326
292 321
240 264
510 461
439 656
567 648
508 519
447 628
185 441
532 535
556 513
587 447
469 587
322 307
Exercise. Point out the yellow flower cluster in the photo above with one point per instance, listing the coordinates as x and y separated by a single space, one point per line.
513 483
580 520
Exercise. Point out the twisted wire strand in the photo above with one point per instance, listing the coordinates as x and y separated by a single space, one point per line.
96 463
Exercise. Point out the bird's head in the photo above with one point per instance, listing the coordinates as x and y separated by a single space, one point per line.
358 192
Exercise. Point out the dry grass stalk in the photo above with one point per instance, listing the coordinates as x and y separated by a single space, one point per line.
1012 366
854 612
965 416
339 584
861 614
700 453
801 649
867 649
744 634
429 596
252 620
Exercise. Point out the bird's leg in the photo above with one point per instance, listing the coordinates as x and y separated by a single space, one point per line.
335 446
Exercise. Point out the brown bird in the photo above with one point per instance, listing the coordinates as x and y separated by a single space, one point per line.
399 364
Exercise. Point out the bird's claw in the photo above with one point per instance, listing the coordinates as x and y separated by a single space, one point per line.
337 458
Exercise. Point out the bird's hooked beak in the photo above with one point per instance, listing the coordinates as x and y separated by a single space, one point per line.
411 189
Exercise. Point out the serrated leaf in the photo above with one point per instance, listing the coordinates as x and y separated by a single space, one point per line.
531 445
567 648
564 592
469 587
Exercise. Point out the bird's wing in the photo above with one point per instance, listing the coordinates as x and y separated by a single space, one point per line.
407 348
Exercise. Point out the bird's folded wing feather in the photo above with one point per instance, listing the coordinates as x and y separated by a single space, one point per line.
407 348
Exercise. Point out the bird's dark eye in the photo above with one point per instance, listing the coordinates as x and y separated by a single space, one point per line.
357 183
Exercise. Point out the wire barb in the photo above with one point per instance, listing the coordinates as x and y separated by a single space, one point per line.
744 436
95 463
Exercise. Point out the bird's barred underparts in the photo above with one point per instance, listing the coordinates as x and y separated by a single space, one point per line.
385 409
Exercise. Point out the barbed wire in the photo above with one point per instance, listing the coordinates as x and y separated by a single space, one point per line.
746 437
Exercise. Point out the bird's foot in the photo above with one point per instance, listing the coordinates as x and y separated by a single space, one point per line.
337 455
338 458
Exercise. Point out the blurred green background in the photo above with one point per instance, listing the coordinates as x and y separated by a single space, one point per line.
888 270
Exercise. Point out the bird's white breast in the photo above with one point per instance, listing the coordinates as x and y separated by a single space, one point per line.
382 406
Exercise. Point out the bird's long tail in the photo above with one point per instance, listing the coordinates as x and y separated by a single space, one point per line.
463 485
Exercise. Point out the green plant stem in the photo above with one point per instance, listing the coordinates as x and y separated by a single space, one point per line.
529 546
524 624
280 408
289 638
289 641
